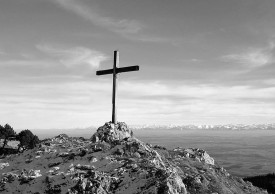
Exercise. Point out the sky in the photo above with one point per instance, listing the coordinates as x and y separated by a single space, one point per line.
201 62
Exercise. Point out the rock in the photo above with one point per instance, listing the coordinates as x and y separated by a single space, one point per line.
175 184
3 165
159 147
54 171
39 152
52 164
207 159
96 182
93 159
48 144
197 154
63 154
9 177
95 138
137 155
119 151
62 136
29 160
112 133
85 167
26 176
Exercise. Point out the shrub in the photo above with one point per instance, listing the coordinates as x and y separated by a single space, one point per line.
27 140
263 181
6 132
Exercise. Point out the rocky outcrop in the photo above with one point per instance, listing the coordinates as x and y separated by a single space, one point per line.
113 161
195 153
112 133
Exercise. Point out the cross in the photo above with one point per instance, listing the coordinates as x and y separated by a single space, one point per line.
115 71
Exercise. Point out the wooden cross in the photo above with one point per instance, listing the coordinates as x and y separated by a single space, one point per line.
115 71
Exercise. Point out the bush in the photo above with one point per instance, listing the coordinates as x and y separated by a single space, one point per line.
263 181
6 132
27 140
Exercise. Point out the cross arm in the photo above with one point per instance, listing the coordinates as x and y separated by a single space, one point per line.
126 69
118 70
104 72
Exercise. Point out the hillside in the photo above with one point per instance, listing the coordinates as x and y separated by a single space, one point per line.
114 161
264 181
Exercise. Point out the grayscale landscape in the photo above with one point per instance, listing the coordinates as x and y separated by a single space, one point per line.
137 96
244 150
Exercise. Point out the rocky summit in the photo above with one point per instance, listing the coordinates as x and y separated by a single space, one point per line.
114 161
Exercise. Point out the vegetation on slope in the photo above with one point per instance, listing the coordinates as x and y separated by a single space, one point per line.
6 132
263 181
26 139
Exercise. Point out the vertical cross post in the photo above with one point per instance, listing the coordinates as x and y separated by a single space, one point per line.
116 64
115 71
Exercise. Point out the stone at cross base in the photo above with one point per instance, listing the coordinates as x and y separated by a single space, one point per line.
112 133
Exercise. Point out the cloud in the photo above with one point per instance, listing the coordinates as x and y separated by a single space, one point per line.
253 58
129 29
52 64
88 102
200 103
74 56
187 92
122 26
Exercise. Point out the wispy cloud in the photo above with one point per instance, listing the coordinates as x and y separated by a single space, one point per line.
74 56
121 26
203 92
197 102
87 102
253 57
130 29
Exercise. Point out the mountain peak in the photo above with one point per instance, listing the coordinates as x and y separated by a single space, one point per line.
113 161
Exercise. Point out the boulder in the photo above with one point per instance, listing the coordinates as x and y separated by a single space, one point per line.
112 133
27 176
196 154
3 165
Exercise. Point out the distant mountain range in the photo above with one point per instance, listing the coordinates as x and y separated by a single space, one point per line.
219 127
88 131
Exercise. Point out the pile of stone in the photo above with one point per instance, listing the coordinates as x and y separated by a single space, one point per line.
112 133
94 182
195 153
24 177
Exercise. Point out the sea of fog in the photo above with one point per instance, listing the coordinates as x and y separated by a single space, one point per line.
241 152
